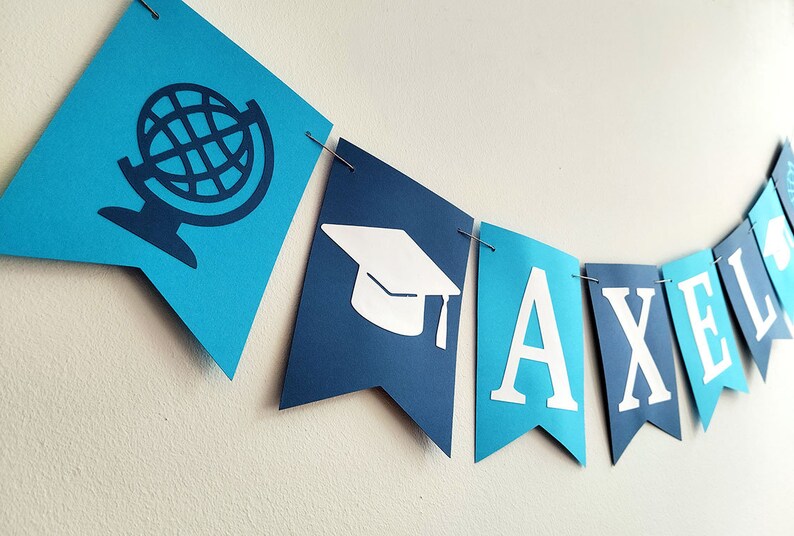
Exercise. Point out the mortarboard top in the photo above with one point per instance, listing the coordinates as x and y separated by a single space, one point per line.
393 259
394 277
778 242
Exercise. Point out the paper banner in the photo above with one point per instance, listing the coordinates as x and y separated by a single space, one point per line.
751 293
703 329
381 298
176 153
775 240
636 351
530 350
783 177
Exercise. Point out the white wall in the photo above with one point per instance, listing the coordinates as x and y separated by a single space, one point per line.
634 131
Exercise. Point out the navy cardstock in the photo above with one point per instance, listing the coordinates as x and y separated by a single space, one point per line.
783 175
761 287
335 350
616 352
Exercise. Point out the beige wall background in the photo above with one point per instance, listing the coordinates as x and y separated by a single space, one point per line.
617 130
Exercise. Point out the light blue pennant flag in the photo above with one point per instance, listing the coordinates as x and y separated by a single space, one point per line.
177 153
775 240
703 329
530 357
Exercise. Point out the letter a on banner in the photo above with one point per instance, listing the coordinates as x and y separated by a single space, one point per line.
703 329
529 344
751 293
636 351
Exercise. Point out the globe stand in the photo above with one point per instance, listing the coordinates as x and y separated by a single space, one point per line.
156 223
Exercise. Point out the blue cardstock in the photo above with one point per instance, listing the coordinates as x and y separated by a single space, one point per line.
516 390
751 294
177 153
775 240
339 345
636 351
783 177
703 329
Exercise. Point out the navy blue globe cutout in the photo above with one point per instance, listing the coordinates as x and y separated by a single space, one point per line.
166 140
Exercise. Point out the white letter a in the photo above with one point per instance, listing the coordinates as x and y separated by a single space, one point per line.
537 294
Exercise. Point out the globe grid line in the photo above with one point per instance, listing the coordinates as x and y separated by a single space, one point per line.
232 158
182 113
160 121
205 101
193 144
200 149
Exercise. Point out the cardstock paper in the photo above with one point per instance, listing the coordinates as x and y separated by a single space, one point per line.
783 177
382 293
775 240
530 353
703 330
750 293
177 153
636 351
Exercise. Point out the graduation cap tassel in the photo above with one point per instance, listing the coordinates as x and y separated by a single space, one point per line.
441 332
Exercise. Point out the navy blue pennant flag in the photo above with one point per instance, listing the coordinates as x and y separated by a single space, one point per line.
751 293
636 351
783 175
381 298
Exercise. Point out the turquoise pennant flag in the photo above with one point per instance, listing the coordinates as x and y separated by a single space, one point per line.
703 329
176 153
530 350
775 240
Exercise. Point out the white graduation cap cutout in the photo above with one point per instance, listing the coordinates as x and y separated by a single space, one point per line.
778 242
394 278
